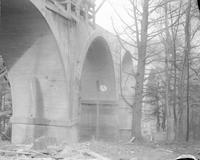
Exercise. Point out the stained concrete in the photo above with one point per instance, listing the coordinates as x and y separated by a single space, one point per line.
108 122
54 64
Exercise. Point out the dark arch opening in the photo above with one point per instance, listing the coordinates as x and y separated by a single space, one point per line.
98 71
20 26
98 89
36 74
127 77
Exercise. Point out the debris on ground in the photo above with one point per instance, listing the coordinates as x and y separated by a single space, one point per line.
94 150
26 152
132 140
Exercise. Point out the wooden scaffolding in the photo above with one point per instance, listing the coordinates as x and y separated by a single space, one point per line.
75 10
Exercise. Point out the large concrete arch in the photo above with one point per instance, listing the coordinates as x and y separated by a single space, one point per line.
36 72
98 33
85 44
97 72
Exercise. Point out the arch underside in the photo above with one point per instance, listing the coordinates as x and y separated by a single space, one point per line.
127 77
98 93
35 71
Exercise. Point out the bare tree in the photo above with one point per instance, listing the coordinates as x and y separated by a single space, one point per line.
142 48
166 38
140 43
187 53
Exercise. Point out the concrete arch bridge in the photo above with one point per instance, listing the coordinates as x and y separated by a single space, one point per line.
61 67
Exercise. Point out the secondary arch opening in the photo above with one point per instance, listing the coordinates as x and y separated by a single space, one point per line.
98 92
127 76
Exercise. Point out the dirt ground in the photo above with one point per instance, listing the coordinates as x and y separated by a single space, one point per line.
99 150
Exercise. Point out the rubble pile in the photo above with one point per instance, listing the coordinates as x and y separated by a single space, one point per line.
51 152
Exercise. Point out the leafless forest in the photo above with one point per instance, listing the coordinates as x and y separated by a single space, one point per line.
163 39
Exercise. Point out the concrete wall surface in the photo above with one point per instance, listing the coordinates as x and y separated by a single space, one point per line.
54 65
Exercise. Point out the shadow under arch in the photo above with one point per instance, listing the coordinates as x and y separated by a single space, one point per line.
21 23
97 89
31 52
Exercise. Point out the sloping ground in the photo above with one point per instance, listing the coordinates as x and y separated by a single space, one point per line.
94 150
135 151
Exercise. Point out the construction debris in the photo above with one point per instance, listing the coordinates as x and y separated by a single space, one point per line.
95 155
132 140
25 152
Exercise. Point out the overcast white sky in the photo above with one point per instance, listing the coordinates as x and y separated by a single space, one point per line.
103 17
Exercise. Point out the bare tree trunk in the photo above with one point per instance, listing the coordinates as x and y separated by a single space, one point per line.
181 88
175 90
174 31
187 52
142 47
175 83
181 92
169 109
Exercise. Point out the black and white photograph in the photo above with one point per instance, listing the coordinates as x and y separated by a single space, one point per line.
99 79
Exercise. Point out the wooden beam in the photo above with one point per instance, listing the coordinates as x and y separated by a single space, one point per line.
98 8
61 11
94 154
